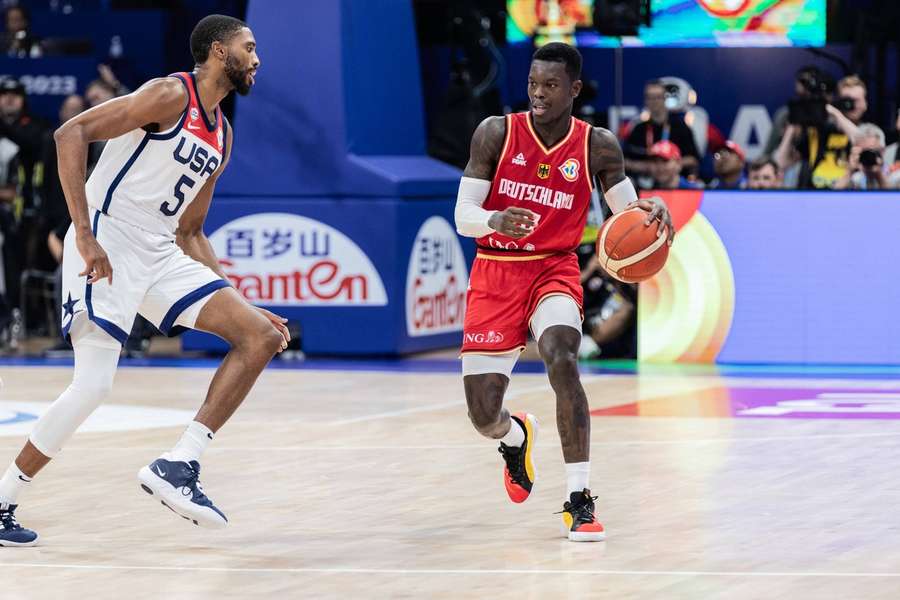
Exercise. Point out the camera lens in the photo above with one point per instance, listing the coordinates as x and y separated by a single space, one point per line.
869 158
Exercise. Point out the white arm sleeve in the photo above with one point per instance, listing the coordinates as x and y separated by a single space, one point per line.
471 219
620 195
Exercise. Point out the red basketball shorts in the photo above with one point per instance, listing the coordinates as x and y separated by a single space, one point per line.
505 290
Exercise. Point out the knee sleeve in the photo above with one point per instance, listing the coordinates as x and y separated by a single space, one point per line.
95 367
479 364
85 332
555 310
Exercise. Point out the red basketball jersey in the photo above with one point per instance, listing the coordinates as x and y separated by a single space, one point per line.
555 183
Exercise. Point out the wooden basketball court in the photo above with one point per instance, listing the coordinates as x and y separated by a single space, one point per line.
372 484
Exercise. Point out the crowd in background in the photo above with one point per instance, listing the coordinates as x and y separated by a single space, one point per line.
820 139
34 217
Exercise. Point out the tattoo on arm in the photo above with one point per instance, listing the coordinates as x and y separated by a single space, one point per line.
607 162
487 143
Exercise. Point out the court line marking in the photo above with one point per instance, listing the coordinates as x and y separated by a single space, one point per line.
511 394
351 570
482 446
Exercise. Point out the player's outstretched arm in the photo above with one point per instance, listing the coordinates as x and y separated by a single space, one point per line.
159 101
608 165
471 219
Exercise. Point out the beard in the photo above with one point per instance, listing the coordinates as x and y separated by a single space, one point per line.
236 76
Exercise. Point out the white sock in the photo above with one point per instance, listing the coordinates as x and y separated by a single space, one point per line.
515 437
193 442
577 477
11 485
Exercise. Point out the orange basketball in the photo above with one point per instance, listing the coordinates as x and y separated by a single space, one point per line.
628 249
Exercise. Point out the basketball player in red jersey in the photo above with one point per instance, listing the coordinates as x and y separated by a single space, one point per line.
525 195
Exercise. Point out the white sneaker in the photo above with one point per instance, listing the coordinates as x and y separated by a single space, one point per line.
178 488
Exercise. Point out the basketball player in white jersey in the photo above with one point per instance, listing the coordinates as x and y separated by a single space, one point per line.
136 245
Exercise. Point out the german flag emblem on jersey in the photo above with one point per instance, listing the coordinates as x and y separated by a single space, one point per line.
543 171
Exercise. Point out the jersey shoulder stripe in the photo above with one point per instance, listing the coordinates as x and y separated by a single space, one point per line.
165 135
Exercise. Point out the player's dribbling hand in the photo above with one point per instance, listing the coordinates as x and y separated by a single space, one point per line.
513 222
96 263
658 211
279 323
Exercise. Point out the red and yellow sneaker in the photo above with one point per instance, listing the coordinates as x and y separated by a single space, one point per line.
580 524
519 473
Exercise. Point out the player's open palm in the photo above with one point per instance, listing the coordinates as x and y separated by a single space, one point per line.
96 262
513 222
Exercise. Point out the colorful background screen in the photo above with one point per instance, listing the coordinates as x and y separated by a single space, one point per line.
675 23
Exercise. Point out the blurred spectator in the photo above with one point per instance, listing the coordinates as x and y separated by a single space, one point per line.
851 98
764 175
109 77
21 140
821 149
610 315
99 91
728 163
665 161
867 169
808 80
18 41
54 211
656 124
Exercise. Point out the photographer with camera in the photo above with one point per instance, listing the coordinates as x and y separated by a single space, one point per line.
802 86
852 98
818 133
866 162
657 124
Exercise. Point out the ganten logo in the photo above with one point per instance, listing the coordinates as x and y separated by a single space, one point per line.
436 280
284 259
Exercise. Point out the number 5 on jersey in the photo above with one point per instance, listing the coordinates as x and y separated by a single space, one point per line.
179 195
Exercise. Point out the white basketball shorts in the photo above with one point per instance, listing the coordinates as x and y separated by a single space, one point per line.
151 276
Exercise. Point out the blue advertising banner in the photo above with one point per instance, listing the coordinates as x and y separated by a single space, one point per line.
360 276
776 277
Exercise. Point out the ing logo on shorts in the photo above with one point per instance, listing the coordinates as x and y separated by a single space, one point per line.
490 337
569 169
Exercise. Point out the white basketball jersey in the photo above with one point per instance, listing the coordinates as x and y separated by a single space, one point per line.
149 179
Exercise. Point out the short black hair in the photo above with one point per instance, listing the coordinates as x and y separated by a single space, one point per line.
561 53
761 162
212 28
